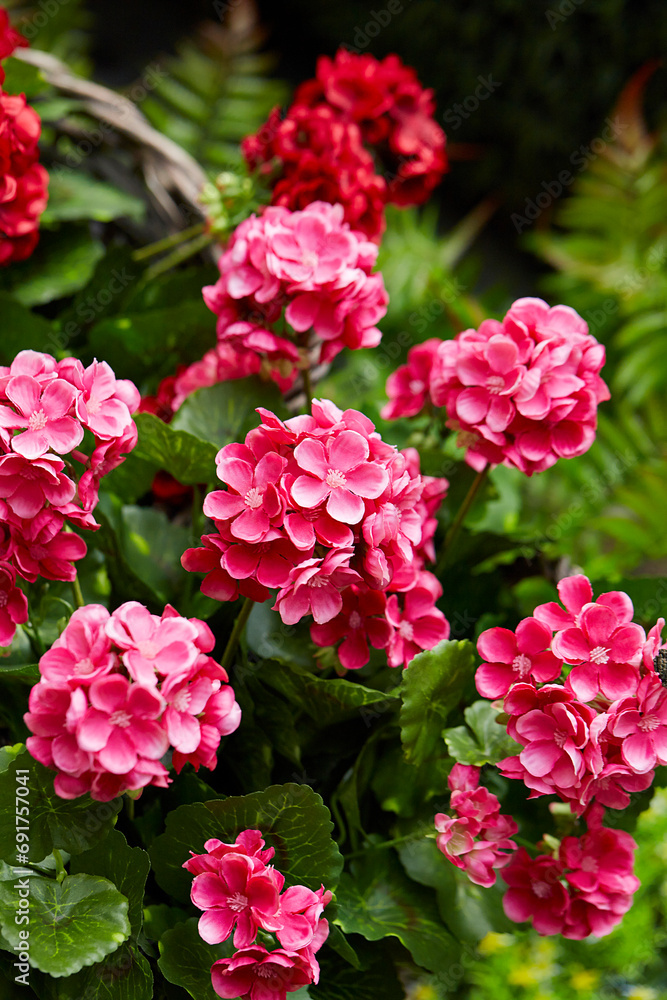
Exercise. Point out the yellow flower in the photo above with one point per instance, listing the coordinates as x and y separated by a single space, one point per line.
584 979
491 943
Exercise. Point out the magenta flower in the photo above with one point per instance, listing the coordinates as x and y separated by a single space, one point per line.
536 890
298 918
575 592
106 403
249 843
121 724
408 387
315 588
360 621
605 652
82 653
515 656
420 625
28 485
152 645
255 503
43 411
640 724
236 895
340 474
553 740
257 974
13 604
43 548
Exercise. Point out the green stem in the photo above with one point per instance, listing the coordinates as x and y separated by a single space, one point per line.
60 866
397 842
308 389
76 591
239 625
129 806
168 242
178 256
455 527
34 639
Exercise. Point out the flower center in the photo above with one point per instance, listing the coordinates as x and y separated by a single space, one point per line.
237 902
541 889
355 620
405 630
589 864
37 421
120 718
264 971
318 581
38 552
148 648
600 654
560 738
181 700
335 479
648 723
495 384
416 386
3 598
253 498
93 405
309 258
84 666
522 665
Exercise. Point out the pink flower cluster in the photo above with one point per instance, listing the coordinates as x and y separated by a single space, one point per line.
598 735
318 147
307 269
23 181
340 523
239 891
523 392
45 408
477 838
118 690
584 889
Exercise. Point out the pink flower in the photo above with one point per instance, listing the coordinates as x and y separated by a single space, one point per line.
315 588
252 504
420 625
44 412
553 738
237 895
121 724
360 621
105 404
408 386
250 843
606 653
515 656
297 920
43 548
28 485
152 645
639 723
340 474
536 890
13 604
256 974
82 653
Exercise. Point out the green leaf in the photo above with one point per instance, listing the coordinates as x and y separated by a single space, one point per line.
124 975
22 330
226 412
431 687
62 264
405 789
293 819
127 867
72 924
74 195
380 901
326 701
20 671
188 458
341 982
104 295
186 960
487 744
72 825
270 638
22 78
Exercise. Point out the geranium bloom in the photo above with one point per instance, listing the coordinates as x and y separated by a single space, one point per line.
28 486
153 645
252 503
360 621
515 656
23 181
10 39
258 974
536 890
408 387
605 652
315 587
341 475
640 725
249 843
13 604
420 625
44 412
43 548
236 895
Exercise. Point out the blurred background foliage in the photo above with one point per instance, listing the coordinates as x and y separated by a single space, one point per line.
207 73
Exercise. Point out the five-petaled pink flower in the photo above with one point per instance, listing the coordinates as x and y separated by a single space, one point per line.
236 895
341 474
515 656
45 413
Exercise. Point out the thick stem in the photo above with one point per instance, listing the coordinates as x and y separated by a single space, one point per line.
76 591
168 242
237 631
455 527
60 866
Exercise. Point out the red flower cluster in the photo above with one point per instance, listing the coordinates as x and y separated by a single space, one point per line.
322 509
477 837
118 690
45 407
318 146
523 392
23 181
310 265
585 889
238 890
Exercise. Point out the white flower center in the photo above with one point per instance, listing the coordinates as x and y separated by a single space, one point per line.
148 648
600 654
84 666
4 597
335 479
37 421
648 723
405 630
181 700
93 405
120 718
416 386
560 738
589 864
309 258
355 620
522 665
495 384
237 902
253 498
541 889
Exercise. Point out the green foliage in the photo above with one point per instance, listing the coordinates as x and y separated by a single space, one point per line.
77 196
483 740
186 959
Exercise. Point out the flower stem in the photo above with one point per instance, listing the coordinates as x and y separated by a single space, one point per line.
239 625
397 842
455 527
34 639
168 242
180 254
76 590
60 866
308 389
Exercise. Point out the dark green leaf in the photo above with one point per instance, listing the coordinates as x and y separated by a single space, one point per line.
75 195
73 825
127 867
186 457
293 819
403 788
431 687
21 78
488 742
62 264
226 412
72 924
186 959
380 901
341 982
270 638
104 295
23 330
124 975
